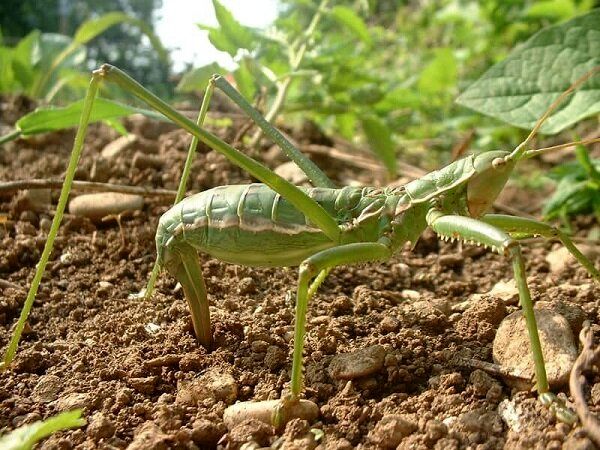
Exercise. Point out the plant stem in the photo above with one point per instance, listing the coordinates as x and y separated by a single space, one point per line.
295 60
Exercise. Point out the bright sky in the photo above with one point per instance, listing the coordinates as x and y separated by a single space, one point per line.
176 26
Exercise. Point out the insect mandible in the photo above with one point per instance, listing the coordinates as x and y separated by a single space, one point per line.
274 223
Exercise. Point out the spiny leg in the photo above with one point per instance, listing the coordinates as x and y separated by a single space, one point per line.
473 230
520 228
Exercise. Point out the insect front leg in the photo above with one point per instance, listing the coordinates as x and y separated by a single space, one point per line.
473 230
521 228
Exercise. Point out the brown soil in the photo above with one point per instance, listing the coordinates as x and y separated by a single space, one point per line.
128 362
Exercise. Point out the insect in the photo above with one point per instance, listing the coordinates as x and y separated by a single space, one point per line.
274 223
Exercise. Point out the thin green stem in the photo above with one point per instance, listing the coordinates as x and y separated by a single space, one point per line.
295 59
16 134
60 208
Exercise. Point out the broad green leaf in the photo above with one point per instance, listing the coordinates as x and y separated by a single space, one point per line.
51 118
519 89
25 437
219 39
235 32
348 18
440 74
379 138
197 79
244 81
554 9
23 58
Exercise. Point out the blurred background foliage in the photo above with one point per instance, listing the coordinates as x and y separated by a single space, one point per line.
382 74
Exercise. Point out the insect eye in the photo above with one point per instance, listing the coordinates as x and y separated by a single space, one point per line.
498 162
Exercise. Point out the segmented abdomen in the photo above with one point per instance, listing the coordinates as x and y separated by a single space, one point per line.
251 224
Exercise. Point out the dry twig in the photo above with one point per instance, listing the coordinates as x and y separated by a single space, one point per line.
587 358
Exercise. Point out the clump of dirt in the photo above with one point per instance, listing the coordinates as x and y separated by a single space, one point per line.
411 376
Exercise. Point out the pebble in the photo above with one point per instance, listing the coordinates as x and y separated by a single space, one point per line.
114 148
100 427
71 401
47 388
291 172
214 385
560 259
263 412
150 436
97 206
511 349
250 434
390 430
206 433
357 364
143 161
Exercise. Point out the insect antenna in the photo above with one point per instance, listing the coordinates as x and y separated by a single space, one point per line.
520 152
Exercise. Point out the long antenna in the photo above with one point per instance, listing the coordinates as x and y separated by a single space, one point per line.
520 150
538 151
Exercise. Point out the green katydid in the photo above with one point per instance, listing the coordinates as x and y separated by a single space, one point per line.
274 223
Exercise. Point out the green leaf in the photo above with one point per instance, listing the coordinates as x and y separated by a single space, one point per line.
379 137
349 19
91 28
566 198
552 9
519 89
197 79
52 118
235 32
219 39
440 74
245 81
25 437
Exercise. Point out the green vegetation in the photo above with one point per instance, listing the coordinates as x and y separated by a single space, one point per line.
26 436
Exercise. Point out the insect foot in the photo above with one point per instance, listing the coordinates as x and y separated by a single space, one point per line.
272 412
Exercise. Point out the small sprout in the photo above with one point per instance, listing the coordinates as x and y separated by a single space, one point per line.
26 436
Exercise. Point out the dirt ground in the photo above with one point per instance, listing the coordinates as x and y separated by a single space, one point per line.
136 369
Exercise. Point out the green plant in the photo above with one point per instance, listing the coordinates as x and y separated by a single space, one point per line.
26 436
43 64
577 188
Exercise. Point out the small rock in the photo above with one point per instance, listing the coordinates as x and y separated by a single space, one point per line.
452 261
482 383
574 314
47 388
291 172
511 348
390 430
411 295
145 385
143 161
275 357
100 427
113 149
150 436
360 363
297 436
214 385
97 206
263 412
389 324
75 400
206 433
560 259
250 430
